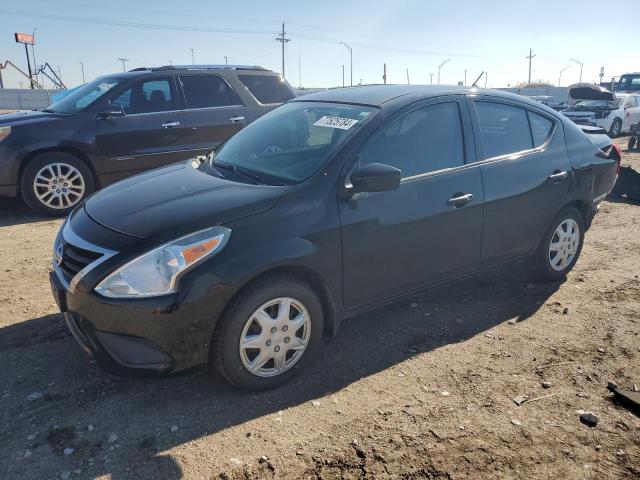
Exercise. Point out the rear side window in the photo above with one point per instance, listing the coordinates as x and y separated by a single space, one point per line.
504 129
424 140
268 88
540 128
205 91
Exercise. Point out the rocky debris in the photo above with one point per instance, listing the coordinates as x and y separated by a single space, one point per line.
621 453
517 423
512 321
600 350
315 403
589 419
520 399
444 393
173 429
547 384
565 311
112 438
32 397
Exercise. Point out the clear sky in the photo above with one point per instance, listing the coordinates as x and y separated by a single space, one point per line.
476 35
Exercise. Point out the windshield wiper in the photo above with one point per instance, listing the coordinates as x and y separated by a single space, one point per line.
241 171
48 110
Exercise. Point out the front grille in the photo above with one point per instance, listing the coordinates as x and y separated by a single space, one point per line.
74 259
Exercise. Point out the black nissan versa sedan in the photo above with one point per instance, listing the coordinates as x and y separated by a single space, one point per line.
330 205
122 124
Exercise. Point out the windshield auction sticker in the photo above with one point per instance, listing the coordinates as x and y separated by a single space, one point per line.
336 122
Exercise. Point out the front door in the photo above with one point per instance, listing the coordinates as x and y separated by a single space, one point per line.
213 113
526 175
149 135
427 230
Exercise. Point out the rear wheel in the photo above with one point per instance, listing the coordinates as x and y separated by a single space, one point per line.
268 333
561 245
616 126
54 183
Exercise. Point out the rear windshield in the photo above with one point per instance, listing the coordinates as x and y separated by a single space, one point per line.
268 88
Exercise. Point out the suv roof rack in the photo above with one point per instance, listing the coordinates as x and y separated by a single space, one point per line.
200 67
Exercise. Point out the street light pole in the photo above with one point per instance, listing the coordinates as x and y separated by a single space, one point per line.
193 58
226 60
82 66
343 75
560 76
440 66
581 65
124 61
33 53
431 75
350 60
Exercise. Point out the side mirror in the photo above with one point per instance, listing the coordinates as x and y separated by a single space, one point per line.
375 177
111 111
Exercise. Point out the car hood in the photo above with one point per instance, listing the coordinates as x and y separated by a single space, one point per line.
169 202
588 91
23 117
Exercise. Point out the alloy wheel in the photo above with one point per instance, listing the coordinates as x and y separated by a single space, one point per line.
564 244
59 185
275 337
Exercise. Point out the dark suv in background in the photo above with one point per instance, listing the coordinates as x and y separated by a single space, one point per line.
122 124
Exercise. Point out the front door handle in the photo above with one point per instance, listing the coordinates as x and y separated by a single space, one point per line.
170 124
237 119
459 200
558 175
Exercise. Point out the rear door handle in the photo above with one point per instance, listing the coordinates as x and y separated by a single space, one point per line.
460 200
237 119
557 176
170 124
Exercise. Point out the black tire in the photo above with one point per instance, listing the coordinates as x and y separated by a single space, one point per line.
615 128
225 355
59 162
542 261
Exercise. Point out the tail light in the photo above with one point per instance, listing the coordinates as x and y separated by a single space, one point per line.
617 156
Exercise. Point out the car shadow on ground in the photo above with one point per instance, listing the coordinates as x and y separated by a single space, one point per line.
15 212
42 357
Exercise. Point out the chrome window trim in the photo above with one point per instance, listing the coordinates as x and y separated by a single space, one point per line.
72 238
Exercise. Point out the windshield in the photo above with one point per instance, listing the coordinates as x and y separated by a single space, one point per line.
292 142
84 96
599 103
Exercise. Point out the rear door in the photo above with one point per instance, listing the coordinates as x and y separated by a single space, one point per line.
526 175
427 230
213 111
149 135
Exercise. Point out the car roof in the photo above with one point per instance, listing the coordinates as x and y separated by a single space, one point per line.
378 95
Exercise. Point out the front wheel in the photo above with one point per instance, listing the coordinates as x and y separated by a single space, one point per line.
54 183
616 126
268 333
561 245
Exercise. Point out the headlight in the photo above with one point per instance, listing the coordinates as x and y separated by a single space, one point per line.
156 272
4 132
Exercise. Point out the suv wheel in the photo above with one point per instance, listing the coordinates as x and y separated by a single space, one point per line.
561 245
616 126
54 183
268 333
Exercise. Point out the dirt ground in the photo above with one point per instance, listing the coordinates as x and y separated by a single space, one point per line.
421 389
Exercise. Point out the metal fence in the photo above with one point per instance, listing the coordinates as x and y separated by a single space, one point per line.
561 93
23 99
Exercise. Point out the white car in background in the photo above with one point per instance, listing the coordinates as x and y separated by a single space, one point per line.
594 105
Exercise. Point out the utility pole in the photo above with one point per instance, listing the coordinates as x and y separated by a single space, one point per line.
407 76
530 57
384 73
299 72
82 66
226 60
560 76
193 58
350 60
33 54
343 75
581 65
283 39
601 74
26 49
124 61
431 75
440 66
465 76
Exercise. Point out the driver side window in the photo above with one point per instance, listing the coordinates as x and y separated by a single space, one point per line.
422 141
146 97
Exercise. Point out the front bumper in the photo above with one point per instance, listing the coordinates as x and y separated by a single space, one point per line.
139 338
